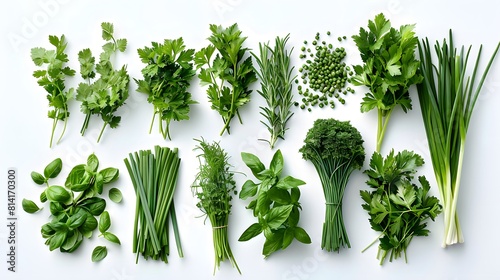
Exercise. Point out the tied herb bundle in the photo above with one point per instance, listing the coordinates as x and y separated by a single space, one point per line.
398 208
167 76
389 69
154 177
75 207
336 149
53 80
276 79
447 99
213 186
276 205
228 75
106 94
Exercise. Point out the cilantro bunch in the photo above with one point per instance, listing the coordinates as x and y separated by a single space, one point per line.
53 79
228 75
103 96
389 69
167 76
398 207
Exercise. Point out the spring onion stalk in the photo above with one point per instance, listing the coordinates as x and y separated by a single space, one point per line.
447 99
154 177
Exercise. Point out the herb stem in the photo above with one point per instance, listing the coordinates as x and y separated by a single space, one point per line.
102 130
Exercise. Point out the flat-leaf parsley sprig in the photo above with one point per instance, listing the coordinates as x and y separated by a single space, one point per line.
228 75
53 79
106 94
167 77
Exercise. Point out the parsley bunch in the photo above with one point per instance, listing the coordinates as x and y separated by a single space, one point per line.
398 208
389 69
167 76
228 75
106 94
53 80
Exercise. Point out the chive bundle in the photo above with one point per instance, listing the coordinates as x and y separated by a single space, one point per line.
154 178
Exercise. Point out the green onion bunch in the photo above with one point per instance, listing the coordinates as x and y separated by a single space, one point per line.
447 98
154 177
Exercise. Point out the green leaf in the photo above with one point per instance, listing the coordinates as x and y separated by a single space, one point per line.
121 44
104 222
57 240
30 206
43 197
302 236
252 231
53 168
278 195
76 220
38 55
95 205
248 189
254 163
99 253
93 162
72 241
107 31
115 195
288 237
89 225
289 182
277 163
273 244
277 216
38 178
57 194
110 174
111 237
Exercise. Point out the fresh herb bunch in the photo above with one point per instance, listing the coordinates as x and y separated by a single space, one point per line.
106 94
154 176
336 149
228 75
167 78
324 74
398 208
389 69
213 186
75 207
53 80
447 100
276 83
276 205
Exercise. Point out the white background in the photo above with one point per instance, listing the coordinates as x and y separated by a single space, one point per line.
25 132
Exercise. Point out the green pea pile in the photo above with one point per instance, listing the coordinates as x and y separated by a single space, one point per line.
324 75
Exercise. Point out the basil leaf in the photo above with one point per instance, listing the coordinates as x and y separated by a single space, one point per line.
56 240
47 231
252 231
272 244
94 205
254 163
278 215
57 194
289 182
104 222
55 208
29 206
293 219
295 195
79 239
288 237
99 253
98 183
302 236
277 163
38 178
70 241
53 168
248 189
43 197
109 174
77 219
115 195
92 163
76 179
278 195
111 237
